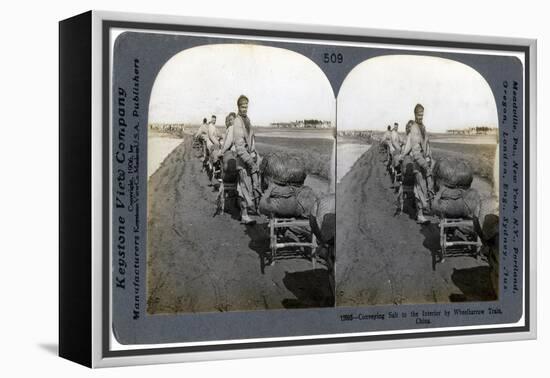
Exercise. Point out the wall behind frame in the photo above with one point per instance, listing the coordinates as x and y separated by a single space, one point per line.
29 159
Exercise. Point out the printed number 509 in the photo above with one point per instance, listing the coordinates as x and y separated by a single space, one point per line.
333 58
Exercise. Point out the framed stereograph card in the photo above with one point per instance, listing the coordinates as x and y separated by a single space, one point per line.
232 189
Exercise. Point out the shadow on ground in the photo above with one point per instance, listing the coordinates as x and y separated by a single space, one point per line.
50 348
310 288
259 241
474 283
431 241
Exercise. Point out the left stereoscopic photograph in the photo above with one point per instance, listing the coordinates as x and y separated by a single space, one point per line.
240 182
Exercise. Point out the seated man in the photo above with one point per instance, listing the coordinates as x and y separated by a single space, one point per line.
213 145
227 152
200 136
386 145
395 151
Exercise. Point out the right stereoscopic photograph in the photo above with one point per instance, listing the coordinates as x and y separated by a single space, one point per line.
417 188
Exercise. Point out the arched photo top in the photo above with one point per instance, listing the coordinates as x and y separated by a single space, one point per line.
385 89
282 85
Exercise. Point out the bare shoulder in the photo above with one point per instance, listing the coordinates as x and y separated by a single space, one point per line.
415 130
237 127
238 121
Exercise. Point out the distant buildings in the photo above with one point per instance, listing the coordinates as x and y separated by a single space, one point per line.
303 124
356 133
477 130
169 128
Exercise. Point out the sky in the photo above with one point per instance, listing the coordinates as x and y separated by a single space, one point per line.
384 90
282 86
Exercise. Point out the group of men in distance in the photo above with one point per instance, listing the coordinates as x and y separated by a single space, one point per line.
415 148
237 145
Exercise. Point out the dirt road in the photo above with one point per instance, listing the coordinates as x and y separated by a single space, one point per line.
201 263
387 259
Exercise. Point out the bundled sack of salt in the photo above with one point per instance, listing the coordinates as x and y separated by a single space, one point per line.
453 173
287 201
457 203
283 169
323 214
